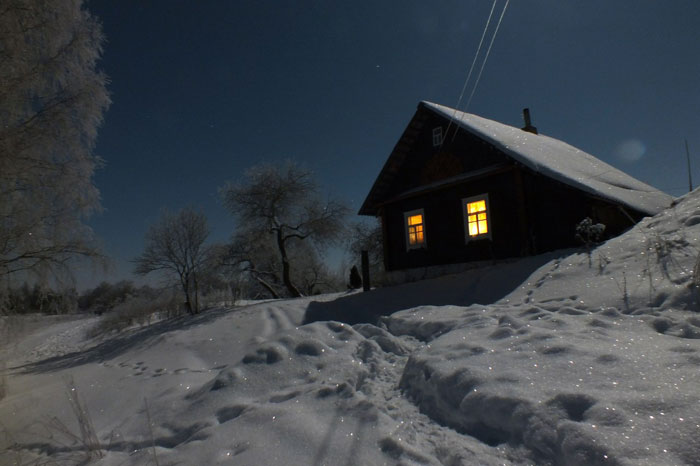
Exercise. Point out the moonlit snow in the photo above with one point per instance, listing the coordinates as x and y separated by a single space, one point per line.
555 360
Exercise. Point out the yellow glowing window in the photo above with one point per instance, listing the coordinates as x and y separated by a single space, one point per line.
415 229
477 218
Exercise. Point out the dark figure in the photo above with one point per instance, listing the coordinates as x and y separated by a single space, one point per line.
355 279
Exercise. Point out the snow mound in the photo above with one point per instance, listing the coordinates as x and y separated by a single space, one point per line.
569 385
590 361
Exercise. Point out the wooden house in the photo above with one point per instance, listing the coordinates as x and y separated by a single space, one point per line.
459 188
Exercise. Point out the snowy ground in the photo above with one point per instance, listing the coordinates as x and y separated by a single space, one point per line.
560 363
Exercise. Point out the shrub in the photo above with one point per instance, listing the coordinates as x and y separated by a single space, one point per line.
137 310
589 234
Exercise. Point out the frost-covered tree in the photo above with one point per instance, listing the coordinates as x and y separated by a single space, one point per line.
38 298
282 204
175 245
105 296
52 99
253 257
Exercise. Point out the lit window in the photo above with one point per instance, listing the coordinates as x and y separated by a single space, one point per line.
437 136
476 217
415 229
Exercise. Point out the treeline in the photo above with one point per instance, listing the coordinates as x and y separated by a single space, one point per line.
279 249
241 270
37 298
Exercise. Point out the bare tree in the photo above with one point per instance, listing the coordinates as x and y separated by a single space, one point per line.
283 204
175 245
312 275
254 257
367 236
52 99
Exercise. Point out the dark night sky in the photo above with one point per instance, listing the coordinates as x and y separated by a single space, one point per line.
202 90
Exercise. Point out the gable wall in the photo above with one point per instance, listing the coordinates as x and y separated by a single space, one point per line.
424 163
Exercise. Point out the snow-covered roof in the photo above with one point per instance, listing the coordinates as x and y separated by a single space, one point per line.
561 161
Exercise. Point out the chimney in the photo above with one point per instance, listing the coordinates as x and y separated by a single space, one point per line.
528 124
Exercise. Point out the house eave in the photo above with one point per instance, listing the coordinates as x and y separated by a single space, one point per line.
450 182
394 162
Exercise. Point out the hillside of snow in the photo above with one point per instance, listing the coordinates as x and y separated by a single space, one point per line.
562 359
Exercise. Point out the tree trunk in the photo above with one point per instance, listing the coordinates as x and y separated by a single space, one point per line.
185 281
267 286
286 279
196 292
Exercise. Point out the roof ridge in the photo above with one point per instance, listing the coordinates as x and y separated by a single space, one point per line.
561 161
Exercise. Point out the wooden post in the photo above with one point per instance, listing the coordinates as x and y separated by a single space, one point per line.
690 177
365 271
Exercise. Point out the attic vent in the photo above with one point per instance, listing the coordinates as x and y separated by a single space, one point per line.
528 124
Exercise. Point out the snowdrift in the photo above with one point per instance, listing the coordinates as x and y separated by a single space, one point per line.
574 360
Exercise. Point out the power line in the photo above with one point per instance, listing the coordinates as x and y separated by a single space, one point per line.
471 69
483 64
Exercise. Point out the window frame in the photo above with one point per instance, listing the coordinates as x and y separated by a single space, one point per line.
465 218
437 136
406 216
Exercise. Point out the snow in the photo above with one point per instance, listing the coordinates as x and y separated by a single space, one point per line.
549 360
562 162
